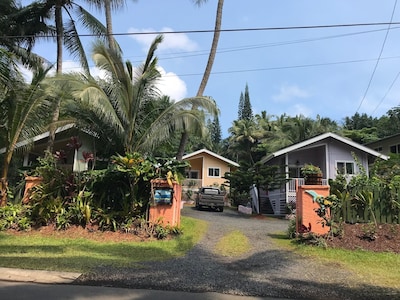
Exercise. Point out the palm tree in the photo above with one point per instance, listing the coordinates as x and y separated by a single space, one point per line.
245 135
66 34
19 28
23 110
119 105
207 72
108 6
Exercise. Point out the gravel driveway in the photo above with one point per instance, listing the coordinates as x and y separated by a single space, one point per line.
266 270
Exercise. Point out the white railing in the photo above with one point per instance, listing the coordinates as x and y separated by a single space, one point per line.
192 183
280 197
276 198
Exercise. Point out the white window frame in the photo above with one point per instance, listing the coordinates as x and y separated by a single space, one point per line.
214 168
345 162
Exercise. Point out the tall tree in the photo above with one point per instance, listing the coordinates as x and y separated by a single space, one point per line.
66 34
240 106
23 110
19 29
207 72
247 113
109 6
120 105
245 135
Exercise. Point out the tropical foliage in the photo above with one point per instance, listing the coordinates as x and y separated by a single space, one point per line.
125 108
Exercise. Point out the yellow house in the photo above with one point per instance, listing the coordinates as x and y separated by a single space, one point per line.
207 168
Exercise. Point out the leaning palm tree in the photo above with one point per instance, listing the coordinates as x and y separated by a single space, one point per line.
207 72
119 102
24 110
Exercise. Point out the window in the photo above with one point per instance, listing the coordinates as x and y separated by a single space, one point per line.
379 149
193 174
395 149
213 172
345 168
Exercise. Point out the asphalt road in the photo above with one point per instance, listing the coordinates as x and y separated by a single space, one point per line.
35 291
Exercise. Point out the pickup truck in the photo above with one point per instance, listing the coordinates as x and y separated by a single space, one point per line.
210 197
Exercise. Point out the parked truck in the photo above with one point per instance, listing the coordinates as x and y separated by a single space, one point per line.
210 197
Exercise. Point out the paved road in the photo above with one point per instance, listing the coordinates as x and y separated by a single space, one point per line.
34 291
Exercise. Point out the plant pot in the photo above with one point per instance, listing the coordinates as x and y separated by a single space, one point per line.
313 179
30 182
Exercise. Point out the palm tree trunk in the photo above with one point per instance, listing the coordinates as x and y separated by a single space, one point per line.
110 37
59 38
207 72
4 178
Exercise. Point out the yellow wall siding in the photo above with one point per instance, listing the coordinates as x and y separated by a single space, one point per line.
209 162
196 165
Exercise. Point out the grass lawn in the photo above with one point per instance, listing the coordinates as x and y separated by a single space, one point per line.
235 243
380 269
80 255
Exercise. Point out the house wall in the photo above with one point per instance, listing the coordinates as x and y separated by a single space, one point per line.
342 152
383 146
196 164
79 162
204 162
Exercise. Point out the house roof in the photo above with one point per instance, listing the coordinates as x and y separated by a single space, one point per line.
321 138
394 136
39 137
228 161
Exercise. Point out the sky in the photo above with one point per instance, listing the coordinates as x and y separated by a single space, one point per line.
290 66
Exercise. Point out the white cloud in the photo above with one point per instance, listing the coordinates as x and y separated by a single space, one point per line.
171 85
290 92
174 41
299 109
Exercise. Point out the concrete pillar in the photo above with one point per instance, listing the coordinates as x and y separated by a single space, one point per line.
307 219
166 213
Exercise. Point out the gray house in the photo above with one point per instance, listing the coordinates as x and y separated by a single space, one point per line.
331 152
387 145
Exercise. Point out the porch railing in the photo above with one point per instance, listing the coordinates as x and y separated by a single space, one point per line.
192 183
292 186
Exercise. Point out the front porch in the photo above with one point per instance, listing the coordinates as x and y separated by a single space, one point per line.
280 198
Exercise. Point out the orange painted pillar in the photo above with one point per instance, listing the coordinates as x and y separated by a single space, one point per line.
168 213
307 219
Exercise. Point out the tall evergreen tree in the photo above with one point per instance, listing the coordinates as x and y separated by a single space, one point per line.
240 108
247 113
214 129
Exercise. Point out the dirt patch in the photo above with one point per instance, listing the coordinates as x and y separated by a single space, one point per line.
91 233
381 238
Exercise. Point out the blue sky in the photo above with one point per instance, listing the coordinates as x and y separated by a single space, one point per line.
331 72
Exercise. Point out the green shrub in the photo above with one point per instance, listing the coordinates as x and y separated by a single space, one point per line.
14 216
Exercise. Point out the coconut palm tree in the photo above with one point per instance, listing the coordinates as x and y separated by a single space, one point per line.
245 135
119 104
207 72
109 6
66 34
19 29
23 110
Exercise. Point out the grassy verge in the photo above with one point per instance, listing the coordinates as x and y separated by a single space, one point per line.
235 243
80 255
380 269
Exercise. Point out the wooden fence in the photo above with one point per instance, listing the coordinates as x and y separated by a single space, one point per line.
350 214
